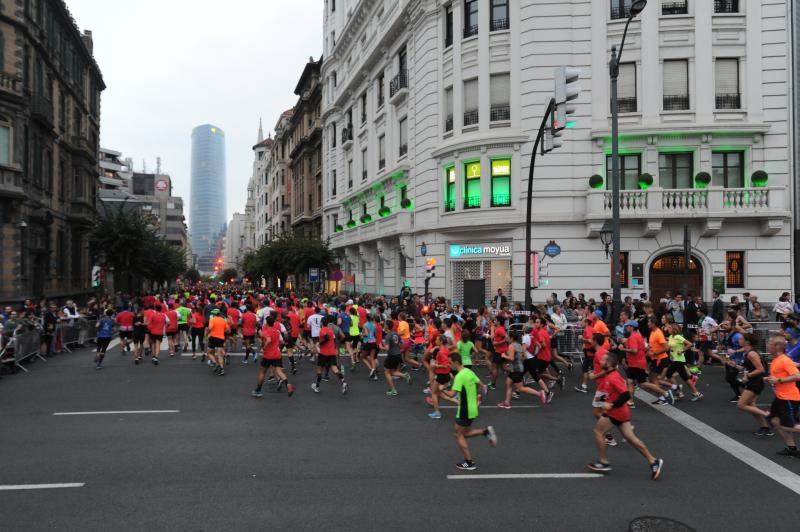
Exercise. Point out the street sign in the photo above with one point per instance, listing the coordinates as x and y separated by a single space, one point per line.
337 275
423 249
313 275
552 249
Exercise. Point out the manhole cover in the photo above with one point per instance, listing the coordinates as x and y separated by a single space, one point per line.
658 524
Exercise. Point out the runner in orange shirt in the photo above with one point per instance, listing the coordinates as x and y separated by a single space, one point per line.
659 360
785 410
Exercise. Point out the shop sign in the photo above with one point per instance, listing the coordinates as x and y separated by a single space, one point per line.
552 249
458 251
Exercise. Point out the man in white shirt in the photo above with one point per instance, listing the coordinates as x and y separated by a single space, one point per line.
315 324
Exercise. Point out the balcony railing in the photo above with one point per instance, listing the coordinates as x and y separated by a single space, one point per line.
42 108
381 163
499 113
449 205
627 105
10 84
676 103
471 118
729 101
448 123
472 202
399 82
726 6
470 31
675 8
499 24
403 149
347 136
501 200
618 12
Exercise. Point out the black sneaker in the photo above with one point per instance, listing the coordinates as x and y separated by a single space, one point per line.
655 468
789 452
599 467
467 465
734 399
155 361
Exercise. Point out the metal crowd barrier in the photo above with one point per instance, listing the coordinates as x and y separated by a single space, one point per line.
23 346
77 331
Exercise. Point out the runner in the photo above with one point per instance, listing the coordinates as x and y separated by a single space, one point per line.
442 376
125 325
197 321
139 336
677 356
183 313
172 330
753 380
292 337
249 327
369 347
588 355
635 362
659 361
616 413
156 326
394 358
465 388
785 410
233 322
217 327
326 358
515 372
105 330
272 358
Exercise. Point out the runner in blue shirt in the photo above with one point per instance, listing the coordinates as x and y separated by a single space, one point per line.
105 330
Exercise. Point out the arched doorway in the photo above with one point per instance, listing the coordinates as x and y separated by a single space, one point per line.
667 275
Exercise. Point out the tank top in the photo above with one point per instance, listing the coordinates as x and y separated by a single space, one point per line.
748 367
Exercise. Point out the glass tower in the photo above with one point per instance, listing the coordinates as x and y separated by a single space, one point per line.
207 212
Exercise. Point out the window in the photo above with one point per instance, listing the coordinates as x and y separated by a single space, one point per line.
401 264
350 174
472 185
448 109
2 52
726 81
450 189
675 170
501 182
448 26
734 269
623 269
333 135
333 39
620 9
500 93
471 102
629 170
499 15
333 77
333 183
381 152
364 164
5 145
676 85
470 18
379 89
333 6
403 136
726 6
674 7
727 169
626 88
363 108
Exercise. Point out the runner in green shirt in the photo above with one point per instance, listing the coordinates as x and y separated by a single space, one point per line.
183 325
465 386
465 349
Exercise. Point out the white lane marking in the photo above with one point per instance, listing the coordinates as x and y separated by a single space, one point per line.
513 407
750 457
112 412
524 475
17 487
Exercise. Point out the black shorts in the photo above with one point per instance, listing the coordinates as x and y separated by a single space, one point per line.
497 359
249 338
272 362
315 339
306 334
786 411
637 375
138 338
756 386
291 342
516 376
462 422
125 335
370 348
392 362
183 326
215 343
233 332
353 340
615 422
442 378
326 361
705 345
172 334
679 368
156 337
660 367
533 366
587 364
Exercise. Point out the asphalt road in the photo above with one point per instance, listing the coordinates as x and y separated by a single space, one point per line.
363 461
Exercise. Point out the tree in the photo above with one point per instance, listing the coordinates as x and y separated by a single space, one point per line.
287 255
191 276
227 274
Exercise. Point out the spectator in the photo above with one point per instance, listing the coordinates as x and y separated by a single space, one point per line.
783 307
717 308
757 313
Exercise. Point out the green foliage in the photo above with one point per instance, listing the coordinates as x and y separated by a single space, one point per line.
191 276
228 273
287 255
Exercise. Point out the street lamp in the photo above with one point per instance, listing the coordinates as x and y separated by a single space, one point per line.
613 68
606 234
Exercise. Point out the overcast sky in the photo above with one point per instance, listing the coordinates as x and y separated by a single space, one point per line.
171 65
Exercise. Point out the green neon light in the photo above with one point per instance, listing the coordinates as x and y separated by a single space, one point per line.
571 124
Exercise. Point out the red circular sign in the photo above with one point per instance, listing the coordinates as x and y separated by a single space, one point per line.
337 275
162 185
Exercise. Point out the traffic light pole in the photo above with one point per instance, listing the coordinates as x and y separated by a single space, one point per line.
529 211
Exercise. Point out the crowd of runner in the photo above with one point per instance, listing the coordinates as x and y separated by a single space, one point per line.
519 353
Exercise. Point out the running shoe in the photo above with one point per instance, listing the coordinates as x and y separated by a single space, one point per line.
734 399
257 393
680 391
582 388
610 441
98 367
244 361
670 397
550 396
542 396
429 401
427 390
491 386
221 373
326 378
697 396
789 452
764 431
136 361
194 356
315 387
393 393
491 435
600 467
562 381
631 404
435 415
407 377
504 406
514 395
467 466
660 401
695 370
155 361
374 377
344 388
372 373
655 468
484 390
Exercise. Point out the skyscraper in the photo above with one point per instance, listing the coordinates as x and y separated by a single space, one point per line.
208 194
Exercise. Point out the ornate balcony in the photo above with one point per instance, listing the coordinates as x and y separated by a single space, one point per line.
713 205
398 87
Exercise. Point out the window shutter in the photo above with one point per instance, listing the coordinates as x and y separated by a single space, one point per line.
471 95
448 101
727 76
500 85
626 87
676 82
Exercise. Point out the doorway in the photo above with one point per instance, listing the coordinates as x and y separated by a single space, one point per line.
667 275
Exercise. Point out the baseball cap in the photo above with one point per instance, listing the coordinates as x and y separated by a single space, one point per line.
632 323
215 311
598 313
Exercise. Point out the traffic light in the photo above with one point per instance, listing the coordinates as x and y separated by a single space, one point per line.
430 266
567 90
95 276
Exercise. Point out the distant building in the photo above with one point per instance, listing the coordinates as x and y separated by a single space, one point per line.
115 179
50 89
207 211
154 192
236 242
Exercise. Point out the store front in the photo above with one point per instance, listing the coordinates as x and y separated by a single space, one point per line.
477 271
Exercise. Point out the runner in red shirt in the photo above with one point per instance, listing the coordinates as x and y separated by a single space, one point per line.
635 362
588 355
125 325
233 323
156 325
249 328
544 355
500 347
326 359
616 413
271 358
442 375
294 334
172 330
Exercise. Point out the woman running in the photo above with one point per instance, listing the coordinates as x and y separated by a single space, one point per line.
197 322
753 381
515 372
442 376
139 334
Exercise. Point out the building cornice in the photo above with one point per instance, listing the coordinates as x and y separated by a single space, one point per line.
465 143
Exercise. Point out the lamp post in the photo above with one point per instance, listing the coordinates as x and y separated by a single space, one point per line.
613 68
